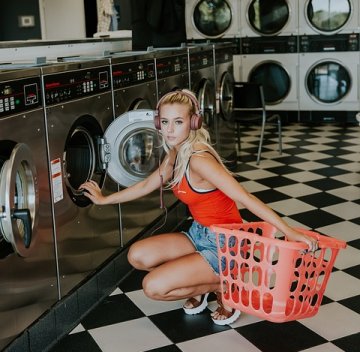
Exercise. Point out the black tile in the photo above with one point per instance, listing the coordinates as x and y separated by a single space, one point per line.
355 243
169 348
272 337
326 184
296 151
81 341
248 216
276 181
340 144
349 343
133 281
270 195
179 327
114 309
329 171
333 161
321 200
283 170
316 218
290 160
352 303
353 271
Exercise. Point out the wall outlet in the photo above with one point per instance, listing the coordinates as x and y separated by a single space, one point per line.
26 21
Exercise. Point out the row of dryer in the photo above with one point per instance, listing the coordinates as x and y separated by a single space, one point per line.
210 19
306 78
79 119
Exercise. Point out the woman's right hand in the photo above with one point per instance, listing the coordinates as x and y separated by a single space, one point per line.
93 192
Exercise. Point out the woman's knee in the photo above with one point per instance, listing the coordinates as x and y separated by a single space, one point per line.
153 287
138 257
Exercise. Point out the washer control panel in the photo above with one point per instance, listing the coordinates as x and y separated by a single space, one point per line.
172 65
201 59
70 85
132 73
19 96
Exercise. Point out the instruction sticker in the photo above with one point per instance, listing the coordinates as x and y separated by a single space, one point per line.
56 179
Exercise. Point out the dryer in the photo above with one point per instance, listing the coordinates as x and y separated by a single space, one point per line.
273 62
209 19
134 86
328 17
78 108
28 276
329 69
224 78
202 83
268 18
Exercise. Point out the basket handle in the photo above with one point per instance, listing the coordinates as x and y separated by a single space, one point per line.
323 241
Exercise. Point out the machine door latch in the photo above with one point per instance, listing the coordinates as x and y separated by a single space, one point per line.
104 152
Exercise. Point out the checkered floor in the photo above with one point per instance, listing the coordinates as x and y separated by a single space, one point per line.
314 184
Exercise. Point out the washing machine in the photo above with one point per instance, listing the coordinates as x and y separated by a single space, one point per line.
202 83
268 18
224 78
78 109
273 62
328 79
134 86
28 276
209 19
328 17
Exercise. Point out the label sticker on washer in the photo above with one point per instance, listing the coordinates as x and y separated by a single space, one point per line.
56 179
140 115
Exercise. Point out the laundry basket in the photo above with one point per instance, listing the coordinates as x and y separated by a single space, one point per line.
265 275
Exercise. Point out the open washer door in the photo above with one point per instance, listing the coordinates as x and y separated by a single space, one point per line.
19 199
132 147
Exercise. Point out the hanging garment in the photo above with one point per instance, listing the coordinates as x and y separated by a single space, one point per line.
105 13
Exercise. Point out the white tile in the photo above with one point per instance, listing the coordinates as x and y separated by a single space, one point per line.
348 192
321 139
317 148
326 347
345 230
303 176
117 291
257 174
333 321
268 163
229 341
252 186
295 223
297 190
313 155
347 258
309 165
290 206
131 336
351 167
352 157
342 285
78 328
350 178
150 306
347 211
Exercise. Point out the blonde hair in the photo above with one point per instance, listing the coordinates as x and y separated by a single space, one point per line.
199 137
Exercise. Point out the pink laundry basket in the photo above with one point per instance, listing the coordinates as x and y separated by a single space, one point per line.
265 275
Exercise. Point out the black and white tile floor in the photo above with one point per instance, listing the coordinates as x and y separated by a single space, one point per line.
314 184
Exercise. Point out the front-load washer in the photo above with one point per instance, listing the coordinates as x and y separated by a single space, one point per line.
202 83
224 79
268 18
210 19
134 86
273 62
78 108
328 79
28 276
328 17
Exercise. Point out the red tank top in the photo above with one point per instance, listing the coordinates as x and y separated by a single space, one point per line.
207 207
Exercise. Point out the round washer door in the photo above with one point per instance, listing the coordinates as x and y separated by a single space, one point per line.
275 80
328 82
328 17
268 17
206 98
226 95
212 18
19 199
132 147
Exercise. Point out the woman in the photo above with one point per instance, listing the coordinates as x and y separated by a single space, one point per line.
185 264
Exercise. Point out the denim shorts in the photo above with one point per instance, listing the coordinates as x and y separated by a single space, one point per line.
204 242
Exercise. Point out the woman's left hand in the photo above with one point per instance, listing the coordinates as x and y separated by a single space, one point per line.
297 236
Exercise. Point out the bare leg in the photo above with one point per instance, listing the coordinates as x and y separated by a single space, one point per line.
151 252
